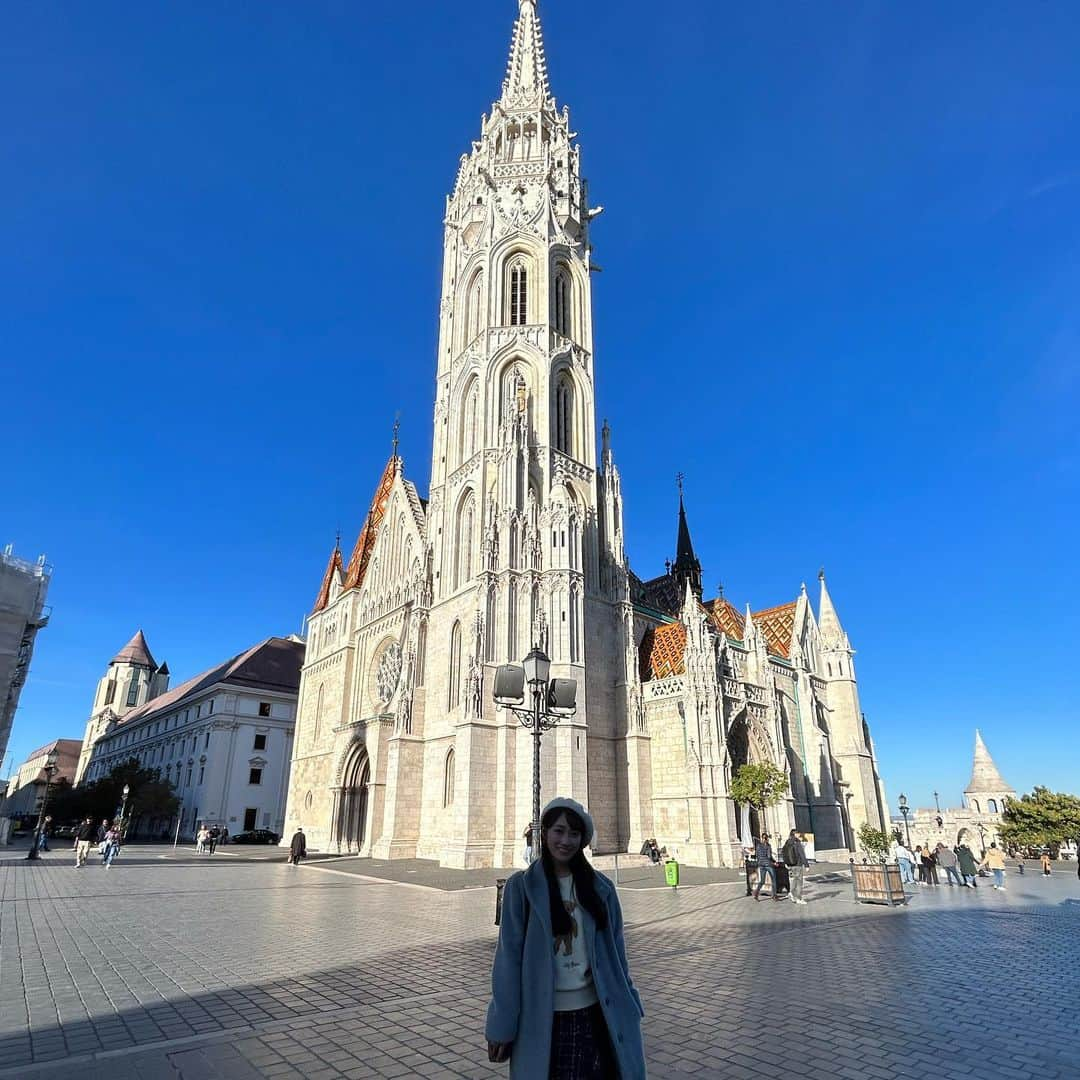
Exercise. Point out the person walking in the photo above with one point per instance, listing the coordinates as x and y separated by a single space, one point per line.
224 838
112 846
42 838
563 1005
995 862
794 855
948 862
1044 861
906 861
212 838
763 852
84 837
929 866
969 867
527 852
297 847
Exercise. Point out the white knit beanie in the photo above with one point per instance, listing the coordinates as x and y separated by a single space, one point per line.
586 817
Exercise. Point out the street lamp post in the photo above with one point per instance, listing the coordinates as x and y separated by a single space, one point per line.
905 810
49 769
552 700
123 807
936 802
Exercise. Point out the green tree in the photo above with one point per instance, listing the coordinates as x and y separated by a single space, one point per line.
1044 818
875 842
761 785
149 797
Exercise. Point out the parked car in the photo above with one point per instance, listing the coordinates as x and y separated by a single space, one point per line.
255 836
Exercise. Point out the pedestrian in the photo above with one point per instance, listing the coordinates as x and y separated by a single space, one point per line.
906 862
948 862
42 839
919 865
224 838
969 867
794 855
995 861
1020 864
1044 860
212 838
764 854
298 847
201 837
929 866
84 837
527 837
563 1004
112 846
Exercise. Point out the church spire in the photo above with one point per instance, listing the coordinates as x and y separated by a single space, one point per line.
832 633
526 82
686 569
984 773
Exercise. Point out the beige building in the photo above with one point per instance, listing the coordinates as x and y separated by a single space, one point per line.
23 612
978 821
400 750
27 788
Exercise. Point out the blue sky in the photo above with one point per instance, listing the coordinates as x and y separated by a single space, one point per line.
839 291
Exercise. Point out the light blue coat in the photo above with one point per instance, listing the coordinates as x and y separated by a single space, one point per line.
523 978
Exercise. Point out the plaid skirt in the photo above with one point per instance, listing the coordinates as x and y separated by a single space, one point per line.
580 1046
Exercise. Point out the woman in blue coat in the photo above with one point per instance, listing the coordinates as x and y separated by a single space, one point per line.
563 1006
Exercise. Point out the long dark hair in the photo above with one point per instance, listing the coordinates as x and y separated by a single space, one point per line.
584 876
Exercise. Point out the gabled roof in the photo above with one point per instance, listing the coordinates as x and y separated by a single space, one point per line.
273 664
136 651
365 542
777 624
725 617
332 567
662 650
60 746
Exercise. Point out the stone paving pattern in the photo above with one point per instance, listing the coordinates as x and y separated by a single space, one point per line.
172 966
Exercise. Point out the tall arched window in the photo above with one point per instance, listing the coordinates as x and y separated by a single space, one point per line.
562 302
318 715
421 650
492 622
519 289
448 779
991 806
463 541
564 415
511 622
454 681
975 803
474 315
467 433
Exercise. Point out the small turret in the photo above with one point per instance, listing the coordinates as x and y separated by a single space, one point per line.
987 792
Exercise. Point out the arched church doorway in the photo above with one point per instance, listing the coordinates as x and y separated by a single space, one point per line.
351 823
747 819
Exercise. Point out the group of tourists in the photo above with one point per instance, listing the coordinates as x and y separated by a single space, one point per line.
107 836
958 864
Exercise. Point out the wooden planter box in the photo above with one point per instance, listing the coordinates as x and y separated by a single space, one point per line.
877 883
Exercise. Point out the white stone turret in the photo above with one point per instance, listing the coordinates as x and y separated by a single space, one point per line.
987 792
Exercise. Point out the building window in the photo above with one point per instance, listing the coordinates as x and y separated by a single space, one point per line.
133 690
198 711
421 649
188 783
562 303
202 770
255 776
206 741
455 666
264 708
209 706
991 806
519 283
110 692
564 416
975 803
448 780
463 541
260 742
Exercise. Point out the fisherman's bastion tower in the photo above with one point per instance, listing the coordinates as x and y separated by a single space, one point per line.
400 750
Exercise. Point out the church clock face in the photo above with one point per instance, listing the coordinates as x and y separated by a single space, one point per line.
387 672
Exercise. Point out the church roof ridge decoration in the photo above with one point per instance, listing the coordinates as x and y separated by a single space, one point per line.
365 542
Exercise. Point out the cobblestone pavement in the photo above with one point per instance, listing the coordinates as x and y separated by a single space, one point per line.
171 966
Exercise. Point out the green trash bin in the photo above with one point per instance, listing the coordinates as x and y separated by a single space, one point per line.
671 873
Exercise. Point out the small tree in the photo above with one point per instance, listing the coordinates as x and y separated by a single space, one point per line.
875 842
760 785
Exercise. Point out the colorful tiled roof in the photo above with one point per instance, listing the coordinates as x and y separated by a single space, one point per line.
725 617
332 567
777 624
662 651
365 542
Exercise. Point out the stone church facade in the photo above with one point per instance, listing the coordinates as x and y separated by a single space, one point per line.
400 750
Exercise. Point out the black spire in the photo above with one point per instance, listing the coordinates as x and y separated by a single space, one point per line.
686 568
